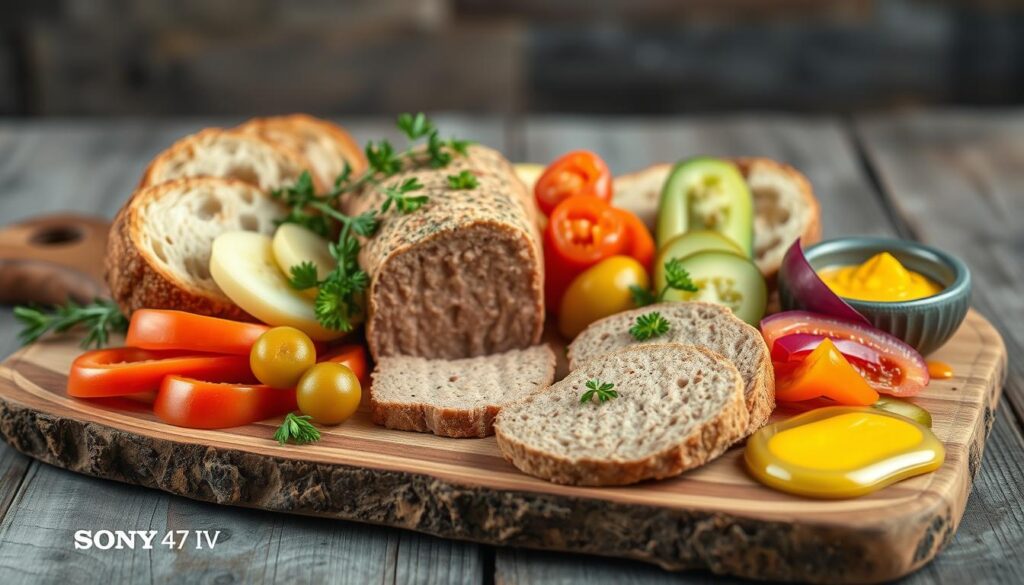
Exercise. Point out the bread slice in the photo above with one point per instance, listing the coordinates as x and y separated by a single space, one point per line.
227 154
784 205
707 325
158 252
326 146
678 407
456 398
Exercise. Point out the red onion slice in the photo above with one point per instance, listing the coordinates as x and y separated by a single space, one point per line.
809 291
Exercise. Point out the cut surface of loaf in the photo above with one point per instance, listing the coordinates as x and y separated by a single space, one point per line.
158 252
704 324
227 154
326 146
784 205
678 407
456 398
463 275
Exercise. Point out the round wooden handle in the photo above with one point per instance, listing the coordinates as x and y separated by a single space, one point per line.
51 259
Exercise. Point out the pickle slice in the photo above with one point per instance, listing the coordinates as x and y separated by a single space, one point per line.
722 278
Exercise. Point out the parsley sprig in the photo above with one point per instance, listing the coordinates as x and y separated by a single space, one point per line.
463 180
603 391
649 326
339 292
296 429
100 317
676 278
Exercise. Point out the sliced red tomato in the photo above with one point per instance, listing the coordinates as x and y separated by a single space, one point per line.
639 242
353 356
900 371
581 232
198 404
130 370
580 172
159 329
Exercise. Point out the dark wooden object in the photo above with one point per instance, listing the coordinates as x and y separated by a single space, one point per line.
91 167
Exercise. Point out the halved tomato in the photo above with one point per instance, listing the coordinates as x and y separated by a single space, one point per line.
900 371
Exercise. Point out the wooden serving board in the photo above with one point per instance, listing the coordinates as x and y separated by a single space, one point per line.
714 517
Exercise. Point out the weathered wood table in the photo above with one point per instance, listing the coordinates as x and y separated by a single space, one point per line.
951 178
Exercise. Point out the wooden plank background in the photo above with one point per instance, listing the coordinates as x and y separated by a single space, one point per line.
953 178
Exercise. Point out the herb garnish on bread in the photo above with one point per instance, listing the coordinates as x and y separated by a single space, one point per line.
677 407
704 324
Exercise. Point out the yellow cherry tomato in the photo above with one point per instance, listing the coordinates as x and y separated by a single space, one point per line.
329 392
281 356
600 291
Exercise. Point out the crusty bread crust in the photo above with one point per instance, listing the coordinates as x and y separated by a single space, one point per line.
185 149
759 394
137 282
459 423
705 443
291 131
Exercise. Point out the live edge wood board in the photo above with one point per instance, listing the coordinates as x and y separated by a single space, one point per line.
714 517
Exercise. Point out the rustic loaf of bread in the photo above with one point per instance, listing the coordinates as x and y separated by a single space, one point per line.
158 252
463 275
326 146
456 398
784 205
707 325
678 407
228 154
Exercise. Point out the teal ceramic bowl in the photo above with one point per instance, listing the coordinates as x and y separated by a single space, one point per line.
923 323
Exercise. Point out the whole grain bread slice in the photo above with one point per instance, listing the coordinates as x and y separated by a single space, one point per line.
705 324
456 398
158 252
229 154
327 147
678 407
784 205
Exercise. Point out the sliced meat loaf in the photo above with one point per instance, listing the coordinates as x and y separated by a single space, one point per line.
677 407
456 398
704 324
460 277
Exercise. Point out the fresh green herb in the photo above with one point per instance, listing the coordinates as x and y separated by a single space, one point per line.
296 429
338 292
463 180
649 326
602 390
100 317
676 278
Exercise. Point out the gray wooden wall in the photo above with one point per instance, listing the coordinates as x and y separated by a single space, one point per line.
108 57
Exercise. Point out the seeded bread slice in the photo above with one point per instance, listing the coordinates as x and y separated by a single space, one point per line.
456 398
326 146
707 325
678 407
784 205
158 252
228 154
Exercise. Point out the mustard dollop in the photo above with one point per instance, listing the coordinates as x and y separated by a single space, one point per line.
881 278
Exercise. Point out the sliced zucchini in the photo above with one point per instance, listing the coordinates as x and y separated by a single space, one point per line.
706 194
725 279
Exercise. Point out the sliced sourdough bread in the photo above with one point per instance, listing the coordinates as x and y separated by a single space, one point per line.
227 154
456 398
326 146
158 252
704 324
461 277
784 205
678 407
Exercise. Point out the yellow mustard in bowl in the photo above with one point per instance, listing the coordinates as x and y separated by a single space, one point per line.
881 278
